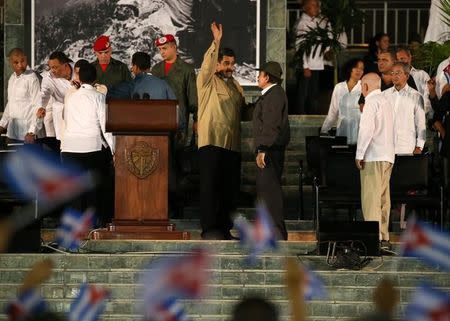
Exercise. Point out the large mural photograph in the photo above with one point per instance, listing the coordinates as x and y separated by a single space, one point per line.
72 26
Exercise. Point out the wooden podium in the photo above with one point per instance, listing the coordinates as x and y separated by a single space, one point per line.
142 129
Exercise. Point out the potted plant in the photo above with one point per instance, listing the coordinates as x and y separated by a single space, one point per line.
429 55
342 15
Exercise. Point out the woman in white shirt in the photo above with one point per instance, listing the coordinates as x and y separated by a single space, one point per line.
344 110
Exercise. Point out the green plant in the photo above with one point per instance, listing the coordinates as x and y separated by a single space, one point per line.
342 15
429 55
445 11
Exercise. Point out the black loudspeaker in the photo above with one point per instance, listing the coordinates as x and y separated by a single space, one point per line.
26 240
335 231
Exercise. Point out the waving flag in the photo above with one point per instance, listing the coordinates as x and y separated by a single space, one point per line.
181 277
33 172
168 310
258 237
89 304
423 241
74 227
314 287
428 304
27 304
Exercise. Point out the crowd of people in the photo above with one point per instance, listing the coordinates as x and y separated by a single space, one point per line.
64 110
399 108
382 108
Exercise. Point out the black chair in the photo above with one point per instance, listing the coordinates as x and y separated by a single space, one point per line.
410 184
340 184
317 148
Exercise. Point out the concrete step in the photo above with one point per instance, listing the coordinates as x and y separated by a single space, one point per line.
290 156
249 167
286 180
288 190
349 292
247 144
311 124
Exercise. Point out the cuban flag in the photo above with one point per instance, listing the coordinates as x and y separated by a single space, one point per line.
89 304
428 304
168 310
180 277
258 237
28 303
33 172
74 227
314 287
423 241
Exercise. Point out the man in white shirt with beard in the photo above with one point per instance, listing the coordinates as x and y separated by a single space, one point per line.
375 155
55 84
409 113
19 116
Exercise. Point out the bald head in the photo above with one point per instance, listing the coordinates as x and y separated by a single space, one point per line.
369 83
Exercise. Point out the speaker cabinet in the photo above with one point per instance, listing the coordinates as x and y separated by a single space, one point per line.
335 231
26 240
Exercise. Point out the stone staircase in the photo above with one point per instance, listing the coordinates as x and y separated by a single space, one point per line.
118 265
301 126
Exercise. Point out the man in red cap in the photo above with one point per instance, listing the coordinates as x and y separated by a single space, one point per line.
181 78
179 75
110 72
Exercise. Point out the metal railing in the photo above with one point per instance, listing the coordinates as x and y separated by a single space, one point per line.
400 19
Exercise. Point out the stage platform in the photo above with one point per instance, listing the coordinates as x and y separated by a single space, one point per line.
118 265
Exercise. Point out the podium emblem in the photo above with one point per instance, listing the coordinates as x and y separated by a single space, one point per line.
142 160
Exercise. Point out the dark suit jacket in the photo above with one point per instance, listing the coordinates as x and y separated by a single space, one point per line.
270 120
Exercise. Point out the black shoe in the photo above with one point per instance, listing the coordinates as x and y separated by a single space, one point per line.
385 245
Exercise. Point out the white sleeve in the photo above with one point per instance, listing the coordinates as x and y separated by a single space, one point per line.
101 114
441 81
34 91
420 124
333 111
366 130
5 118
46 91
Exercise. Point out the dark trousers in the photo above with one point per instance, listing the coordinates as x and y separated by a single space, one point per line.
308 93
268 189
219 190
49 144
97 163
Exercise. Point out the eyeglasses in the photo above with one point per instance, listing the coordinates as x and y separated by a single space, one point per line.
398 72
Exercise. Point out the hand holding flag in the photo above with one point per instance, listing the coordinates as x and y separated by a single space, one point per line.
423 241
258 237
181 277
89 304
74 227
428 304
28 303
